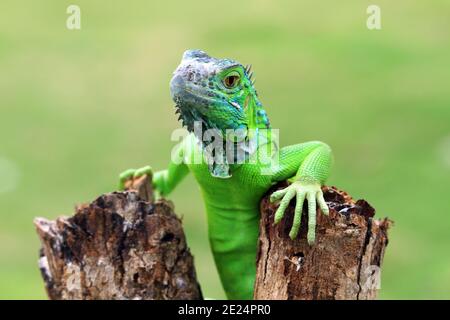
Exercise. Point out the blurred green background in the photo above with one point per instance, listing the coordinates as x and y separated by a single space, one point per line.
78 107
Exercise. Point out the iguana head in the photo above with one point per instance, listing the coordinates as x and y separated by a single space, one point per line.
217 92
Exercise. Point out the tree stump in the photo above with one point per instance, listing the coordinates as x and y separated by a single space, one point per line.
124 245
344 263
120 246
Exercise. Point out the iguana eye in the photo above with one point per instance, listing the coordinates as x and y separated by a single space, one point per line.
232 80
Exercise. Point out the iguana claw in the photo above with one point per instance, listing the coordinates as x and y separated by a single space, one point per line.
133 173
302 190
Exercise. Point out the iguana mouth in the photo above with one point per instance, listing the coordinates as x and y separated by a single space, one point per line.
189 114
192 103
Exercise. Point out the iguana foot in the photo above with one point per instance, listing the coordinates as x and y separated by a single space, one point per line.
133 173
312 192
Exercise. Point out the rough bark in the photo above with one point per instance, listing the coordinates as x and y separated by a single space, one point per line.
345 262
120 246
124 245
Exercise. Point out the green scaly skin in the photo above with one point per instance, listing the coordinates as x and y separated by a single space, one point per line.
220 94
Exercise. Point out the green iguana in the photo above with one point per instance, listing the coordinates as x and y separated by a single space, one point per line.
219 95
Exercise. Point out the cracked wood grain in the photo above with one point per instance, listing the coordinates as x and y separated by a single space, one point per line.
120 246
345 262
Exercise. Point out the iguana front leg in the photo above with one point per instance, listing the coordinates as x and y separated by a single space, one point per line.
164 181
309 165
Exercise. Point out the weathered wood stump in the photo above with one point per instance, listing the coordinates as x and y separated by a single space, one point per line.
124 245
120 246
344 263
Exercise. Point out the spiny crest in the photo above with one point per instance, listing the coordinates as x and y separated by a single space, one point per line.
261 116
249 73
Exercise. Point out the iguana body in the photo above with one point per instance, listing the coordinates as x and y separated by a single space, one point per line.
219 94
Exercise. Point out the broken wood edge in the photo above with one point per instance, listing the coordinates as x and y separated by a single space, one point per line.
118 247
344 263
